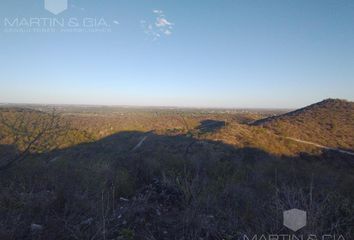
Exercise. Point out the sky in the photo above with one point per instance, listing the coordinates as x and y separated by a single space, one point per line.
210 53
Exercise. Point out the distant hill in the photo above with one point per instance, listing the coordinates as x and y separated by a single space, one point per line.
330 123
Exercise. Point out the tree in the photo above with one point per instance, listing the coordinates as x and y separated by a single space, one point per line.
30 132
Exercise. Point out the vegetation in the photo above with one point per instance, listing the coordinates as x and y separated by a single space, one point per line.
164 174
329 123
30 132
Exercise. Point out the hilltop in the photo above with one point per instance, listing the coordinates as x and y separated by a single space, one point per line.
329 122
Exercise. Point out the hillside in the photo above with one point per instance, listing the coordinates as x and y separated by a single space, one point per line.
329 123
139 174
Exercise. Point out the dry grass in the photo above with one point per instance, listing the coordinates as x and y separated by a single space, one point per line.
182 183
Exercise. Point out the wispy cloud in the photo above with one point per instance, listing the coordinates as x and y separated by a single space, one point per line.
162 22
157 11
161 26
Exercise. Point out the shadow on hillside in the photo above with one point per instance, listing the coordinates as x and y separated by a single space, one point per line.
150 145
7 152
165 181
208 126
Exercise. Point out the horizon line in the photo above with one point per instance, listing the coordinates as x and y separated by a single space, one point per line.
145 106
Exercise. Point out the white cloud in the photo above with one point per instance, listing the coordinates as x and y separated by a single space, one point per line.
168 32
162 22
160 27
158 11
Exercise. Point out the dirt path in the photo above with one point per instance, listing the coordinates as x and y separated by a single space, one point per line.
147 134
140 143
320 146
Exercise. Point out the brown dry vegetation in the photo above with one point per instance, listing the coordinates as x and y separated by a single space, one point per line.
195 176
330 123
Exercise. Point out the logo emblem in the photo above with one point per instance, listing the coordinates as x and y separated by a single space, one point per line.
295 219
56 6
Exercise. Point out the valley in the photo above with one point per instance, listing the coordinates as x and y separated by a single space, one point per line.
83 172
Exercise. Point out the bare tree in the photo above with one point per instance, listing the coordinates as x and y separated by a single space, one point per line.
182 120
30 132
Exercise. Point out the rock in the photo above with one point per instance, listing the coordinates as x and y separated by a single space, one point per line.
158 212
36 227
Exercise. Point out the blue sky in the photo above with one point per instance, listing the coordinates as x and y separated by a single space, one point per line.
211 53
